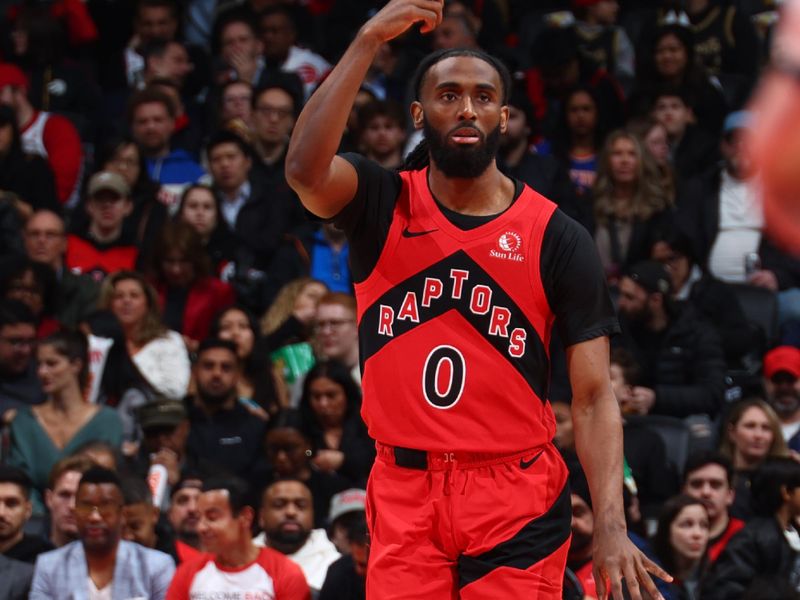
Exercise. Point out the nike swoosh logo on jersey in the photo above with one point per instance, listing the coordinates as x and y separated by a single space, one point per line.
523 464
411 234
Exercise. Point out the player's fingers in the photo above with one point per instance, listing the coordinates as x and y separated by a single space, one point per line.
429 19
647 582
600 583
653 568
632 580
614 575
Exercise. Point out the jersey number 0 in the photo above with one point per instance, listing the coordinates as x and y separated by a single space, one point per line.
443 377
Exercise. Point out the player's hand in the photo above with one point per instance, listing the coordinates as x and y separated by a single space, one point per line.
398 16
615 557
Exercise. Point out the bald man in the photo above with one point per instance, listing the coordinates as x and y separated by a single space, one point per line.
45 242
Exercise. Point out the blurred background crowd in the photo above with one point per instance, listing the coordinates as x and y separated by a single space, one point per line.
170 315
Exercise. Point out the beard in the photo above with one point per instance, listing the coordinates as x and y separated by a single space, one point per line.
213 398
462 162
287 542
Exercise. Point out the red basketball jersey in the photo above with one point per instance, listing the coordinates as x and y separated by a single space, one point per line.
454 329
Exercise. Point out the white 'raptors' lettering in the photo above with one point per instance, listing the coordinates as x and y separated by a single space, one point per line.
480 303
458 276
480 300
409 310
499 323
433 291
516 345
385 321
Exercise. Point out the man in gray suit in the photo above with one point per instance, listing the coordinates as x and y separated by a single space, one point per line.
15 579
100 564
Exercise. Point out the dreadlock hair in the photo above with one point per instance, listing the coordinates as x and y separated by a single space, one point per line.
419 157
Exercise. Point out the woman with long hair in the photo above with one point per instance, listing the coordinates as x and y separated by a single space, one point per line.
330 415
188 293
751 434
290 314
257 388
159 354
579 137
45 433
680 543
630 206
199 208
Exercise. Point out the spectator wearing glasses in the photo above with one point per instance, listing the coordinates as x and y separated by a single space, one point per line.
335 331
100 564
42 435
46 242
19 385
33 284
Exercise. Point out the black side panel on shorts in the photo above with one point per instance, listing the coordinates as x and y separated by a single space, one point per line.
534 542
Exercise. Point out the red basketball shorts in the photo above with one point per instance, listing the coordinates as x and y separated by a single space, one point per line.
469 526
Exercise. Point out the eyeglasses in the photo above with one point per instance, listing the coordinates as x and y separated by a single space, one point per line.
48 235
105 509
332 323
274 111
16 342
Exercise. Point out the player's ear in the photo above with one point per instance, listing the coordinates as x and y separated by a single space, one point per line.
417 114
504 119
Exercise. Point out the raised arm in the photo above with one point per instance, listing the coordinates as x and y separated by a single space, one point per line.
325 182
598 440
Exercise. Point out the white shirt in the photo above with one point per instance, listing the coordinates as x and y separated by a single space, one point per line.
741 219
314 558
164 363
232 206
102 594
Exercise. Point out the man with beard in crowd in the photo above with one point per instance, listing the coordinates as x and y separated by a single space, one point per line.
15 510
184 517
100 564
287 517
460 267
222 430
782 390
683 367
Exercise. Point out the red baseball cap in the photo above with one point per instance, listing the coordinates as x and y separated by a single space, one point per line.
782 358
12 75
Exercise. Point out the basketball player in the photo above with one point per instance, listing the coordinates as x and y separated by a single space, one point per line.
460 275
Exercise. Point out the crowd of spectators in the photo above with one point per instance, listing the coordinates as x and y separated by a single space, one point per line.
179 359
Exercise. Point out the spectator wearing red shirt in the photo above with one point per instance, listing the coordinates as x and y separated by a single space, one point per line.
44 134
190 297
233 563
104 249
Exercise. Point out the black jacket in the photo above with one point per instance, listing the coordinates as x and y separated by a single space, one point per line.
698 216
688 374
759 550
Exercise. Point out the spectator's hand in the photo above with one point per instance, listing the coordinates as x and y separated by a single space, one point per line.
641 400
399 15
765 279
244 65
615 557
328 460
169 460
305 312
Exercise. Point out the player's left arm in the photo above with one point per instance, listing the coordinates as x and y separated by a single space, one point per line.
598 440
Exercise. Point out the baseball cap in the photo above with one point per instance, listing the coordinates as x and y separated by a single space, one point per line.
740 119
347 501
106 180
12 75
652 276
782 358
161 413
